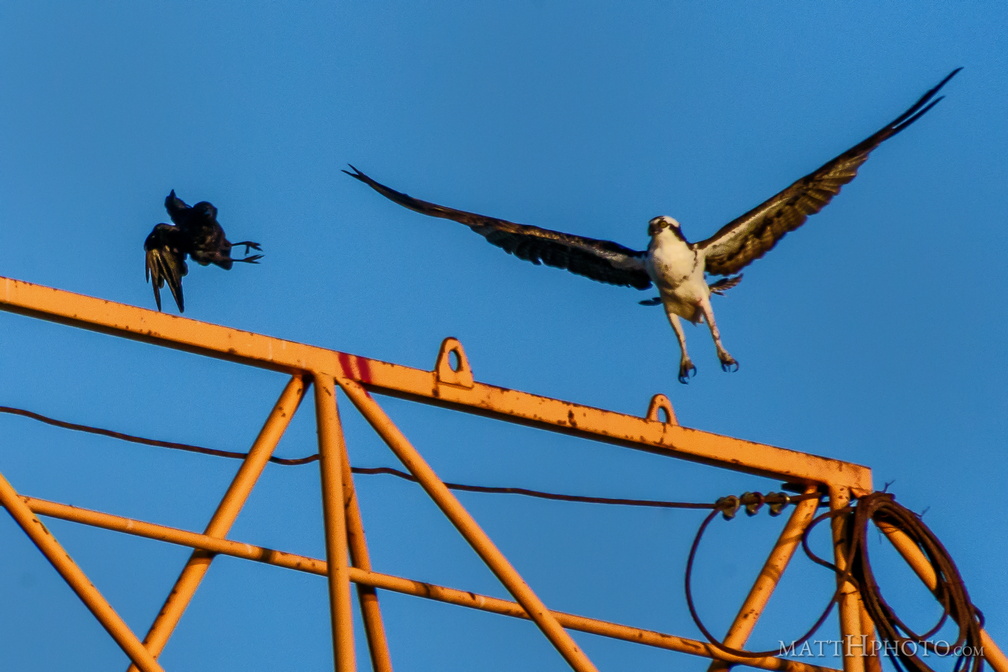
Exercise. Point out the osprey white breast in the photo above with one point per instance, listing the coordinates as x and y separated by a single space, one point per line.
673 264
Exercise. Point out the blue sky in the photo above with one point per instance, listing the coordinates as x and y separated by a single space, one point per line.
874 334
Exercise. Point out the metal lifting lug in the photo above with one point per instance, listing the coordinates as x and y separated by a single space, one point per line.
661 406
452 367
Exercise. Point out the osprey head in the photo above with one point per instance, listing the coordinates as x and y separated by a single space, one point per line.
656 225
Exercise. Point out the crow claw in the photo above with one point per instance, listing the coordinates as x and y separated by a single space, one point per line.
248 244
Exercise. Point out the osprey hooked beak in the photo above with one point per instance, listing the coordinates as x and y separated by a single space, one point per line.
659 223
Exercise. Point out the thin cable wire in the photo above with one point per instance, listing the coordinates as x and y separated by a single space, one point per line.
540 494
148 442
879 507
357 470
717 643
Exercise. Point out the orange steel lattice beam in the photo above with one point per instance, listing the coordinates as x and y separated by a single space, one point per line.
225 515
428 387
449 385
330 458
77 580
462 598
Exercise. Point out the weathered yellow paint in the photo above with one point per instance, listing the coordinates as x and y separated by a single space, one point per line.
424 386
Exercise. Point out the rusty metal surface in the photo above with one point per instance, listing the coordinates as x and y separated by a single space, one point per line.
402 585
76 579
224 517
426 386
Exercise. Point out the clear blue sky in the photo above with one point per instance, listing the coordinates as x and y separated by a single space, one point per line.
875 334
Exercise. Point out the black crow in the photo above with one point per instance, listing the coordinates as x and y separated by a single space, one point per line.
195 233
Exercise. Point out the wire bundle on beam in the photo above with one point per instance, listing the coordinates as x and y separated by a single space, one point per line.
905 647
902 644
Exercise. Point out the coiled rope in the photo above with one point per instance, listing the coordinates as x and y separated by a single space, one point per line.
904 647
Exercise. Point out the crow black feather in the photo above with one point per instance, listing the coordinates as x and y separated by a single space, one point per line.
195 233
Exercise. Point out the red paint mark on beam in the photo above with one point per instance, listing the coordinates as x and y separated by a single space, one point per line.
355 368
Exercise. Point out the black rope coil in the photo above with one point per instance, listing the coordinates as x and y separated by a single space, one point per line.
904 647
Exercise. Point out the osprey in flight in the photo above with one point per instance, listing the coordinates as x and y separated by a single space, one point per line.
196 233
675 266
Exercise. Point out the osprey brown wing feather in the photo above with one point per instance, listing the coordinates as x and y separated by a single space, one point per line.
600 260
755 233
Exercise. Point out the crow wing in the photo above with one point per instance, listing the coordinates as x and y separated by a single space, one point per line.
165 263
178 210
600 260
755 233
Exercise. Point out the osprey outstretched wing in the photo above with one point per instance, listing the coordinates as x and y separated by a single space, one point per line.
747 238
600 260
